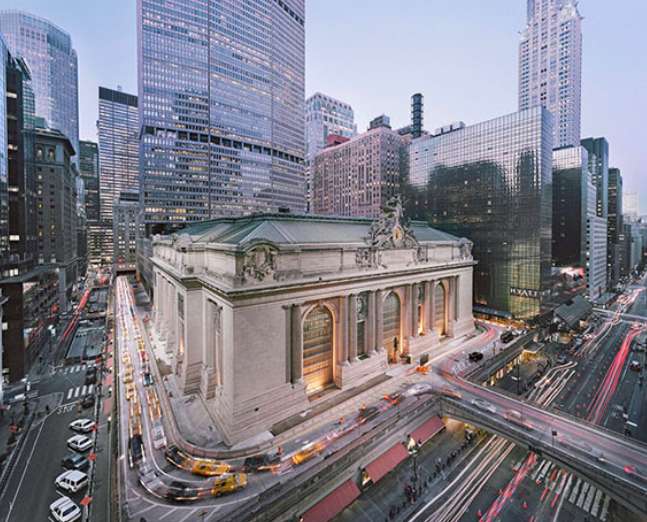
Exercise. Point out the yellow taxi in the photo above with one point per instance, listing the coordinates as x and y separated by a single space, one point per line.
209 468
308 452
135 408
229 484
125 358
128 376
130 391
135 426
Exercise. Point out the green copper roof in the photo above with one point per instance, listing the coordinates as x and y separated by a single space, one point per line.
297 229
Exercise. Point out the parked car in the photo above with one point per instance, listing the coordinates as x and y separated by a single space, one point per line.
507 336
87 401
72 481
90 378
475 356
79 443
75 461
82 425
64 510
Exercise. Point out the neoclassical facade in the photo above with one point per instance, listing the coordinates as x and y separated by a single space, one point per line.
264 315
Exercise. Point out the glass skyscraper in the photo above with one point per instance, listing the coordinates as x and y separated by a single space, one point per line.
52 61
550 66
89 170
221 91
118 157
491 183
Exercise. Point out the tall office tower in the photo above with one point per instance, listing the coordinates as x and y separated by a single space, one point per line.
125 225
631 205
598 149
550 65
579 234
614 224
48 51
5 57
118 157
357 176
221 91
325 116
491 183
89 172
417 115
56 225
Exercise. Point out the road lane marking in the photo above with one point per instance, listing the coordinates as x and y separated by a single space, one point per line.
90 389
605 508
589 498
596 503
169 512
84 389
69 393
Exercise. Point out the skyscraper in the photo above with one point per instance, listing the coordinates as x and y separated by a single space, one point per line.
550 65
221 92
491 183
598 149
52 61
118 157
615 226
357 176
325 116
89 170
631 205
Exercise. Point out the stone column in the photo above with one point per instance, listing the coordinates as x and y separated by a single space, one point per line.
379 320
451 305
427 306
352 328
406 313
371 340
414 310
296 344
432 308
342 336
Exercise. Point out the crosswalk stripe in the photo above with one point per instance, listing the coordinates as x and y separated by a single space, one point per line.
69 393
77 391
605 508
574 491
84 388
90 389
589 498
545 472
596 503
582 496
537 470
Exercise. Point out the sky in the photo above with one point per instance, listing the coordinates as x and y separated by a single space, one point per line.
373 54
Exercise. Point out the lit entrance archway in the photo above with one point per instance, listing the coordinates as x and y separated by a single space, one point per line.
318 349
440 310
391 325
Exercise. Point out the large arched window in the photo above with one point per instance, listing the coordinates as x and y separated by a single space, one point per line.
318 349
440 309
391 326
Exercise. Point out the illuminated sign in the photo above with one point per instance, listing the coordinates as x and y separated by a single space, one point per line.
528 292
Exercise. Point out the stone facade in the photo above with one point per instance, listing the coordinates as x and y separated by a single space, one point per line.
265 315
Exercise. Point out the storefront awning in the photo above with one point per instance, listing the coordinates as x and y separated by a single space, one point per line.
333 504
427 430
386 462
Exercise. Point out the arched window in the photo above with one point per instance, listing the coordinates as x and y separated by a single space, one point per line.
440 309
318 349
391 326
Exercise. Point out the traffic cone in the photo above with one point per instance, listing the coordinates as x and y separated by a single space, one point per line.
524 505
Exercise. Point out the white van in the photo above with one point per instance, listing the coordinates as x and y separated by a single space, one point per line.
64 510
72 481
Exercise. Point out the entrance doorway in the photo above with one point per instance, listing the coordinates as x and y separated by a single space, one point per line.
391 324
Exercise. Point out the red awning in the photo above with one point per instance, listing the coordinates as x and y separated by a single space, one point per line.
333 504
427 430
386 462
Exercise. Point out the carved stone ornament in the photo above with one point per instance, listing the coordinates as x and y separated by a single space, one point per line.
465 248
182 241
391 229
259 263
364 258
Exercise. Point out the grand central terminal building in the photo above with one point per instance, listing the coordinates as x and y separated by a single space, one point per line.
265 315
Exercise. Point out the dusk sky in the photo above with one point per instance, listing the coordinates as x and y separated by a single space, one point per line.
461 54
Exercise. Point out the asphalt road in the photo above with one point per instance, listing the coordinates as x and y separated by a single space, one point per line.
30 487
546 492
